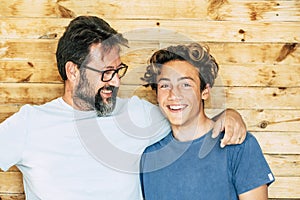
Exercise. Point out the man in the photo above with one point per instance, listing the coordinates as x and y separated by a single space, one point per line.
87 143
175 167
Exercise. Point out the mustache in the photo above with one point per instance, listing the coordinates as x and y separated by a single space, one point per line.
111 88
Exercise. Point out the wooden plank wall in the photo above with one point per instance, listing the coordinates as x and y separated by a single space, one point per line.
255 42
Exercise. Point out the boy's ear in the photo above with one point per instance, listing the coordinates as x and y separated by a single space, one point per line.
206 92
72 70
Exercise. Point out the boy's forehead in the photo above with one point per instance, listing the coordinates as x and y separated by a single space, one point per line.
178 68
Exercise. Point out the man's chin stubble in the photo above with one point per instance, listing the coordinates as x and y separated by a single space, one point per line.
104 109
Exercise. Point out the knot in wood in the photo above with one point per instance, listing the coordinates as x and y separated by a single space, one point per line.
263 124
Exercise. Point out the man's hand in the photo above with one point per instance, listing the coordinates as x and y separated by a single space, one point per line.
233 124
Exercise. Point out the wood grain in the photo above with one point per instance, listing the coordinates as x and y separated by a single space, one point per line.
230 10
163 30
34 51
256 44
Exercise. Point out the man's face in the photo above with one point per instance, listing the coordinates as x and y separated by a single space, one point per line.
91 90
178 92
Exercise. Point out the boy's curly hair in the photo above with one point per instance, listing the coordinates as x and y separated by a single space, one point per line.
193 53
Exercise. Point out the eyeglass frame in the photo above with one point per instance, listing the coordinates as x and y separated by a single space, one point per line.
115 71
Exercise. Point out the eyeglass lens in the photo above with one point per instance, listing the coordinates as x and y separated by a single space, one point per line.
109 74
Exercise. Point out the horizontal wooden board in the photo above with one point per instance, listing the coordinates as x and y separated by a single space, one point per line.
230 53
229 75
278 142
8 110
283 187
20 93
11 181
25 71
231 10
162 30
284 165
8 196
234 97
272 120
259 75
221 97
265 120
217 31
35 51
239 75
255 97
259 120
30 51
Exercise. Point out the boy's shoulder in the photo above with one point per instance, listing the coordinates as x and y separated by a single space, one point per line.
160 144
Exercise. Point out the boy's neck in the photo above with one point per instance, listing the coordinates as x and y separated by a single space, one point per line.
194 130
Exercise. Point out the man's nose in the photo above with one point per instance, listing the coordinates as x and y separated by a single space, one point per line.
115 81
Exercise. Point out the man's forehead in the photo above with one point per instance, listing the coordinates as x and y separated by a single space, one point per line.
98 53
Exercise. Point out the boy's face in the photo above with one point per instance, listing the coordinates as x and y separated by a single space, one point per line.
178 92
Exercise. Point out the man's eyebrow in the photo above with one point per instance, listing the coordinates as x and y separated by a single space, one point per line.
111 67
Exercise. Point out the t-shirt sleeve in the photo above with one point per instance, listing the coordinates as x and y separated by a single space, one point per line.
150 121
12 139
142 174
249 166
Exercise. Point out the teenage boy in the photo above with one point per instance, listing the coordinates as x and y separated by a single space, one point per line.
175 167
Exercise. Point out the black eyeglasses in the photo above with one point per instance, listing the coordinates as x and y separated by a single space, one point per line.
107 75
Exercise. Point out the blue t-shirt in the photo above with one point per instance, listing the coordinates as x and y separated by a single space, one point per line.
171 169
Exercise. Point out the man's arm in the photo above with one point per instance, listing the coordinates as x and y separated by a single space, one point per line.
13 136
259 193
233 124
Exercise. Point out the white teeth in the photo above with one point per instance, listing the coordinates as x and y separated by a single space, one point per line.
106 91
177 107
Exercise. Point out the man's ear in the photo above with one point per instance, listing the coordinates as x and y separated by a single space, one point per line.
72 71
206 92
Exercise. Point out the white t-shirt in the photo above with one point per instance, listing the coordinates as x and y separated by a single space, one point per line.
68 154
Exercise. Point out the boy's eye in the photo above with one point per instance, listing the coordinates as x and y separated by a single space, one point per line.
186 85
164 85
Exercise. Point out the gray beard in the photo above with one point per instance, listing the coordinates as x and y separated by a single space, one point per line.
84 98
105 109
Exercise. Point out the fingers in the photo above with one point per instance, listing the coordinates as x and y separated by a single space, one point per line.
233 135
229 136
218 128
242 134
235 128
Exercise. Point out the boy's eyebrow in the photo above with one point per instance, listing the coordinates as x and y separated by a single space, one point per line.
185 77
179 79
163 79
